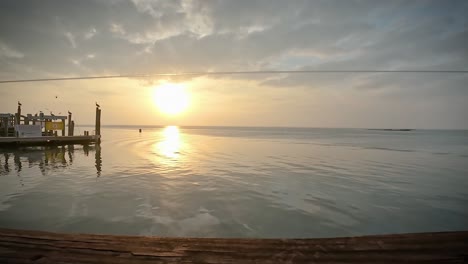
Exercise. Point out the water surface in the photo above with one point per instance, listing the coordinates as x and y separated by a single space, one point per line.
241 182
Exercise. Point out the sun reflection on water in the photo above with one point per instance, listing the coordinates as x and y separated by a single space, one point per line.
171 143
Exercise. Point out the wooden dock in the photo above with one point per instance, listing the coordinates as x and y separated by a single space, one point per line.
18 246
50 140
42 130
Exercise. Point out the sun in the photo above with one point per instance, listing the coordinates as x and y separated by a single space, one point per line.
171 98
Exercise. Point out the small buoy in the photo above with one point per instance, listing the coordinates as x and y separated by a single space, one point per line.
140 130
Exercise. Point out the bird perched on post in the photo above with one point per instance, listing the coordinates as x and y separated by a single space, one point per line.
97 105
19 104
69 112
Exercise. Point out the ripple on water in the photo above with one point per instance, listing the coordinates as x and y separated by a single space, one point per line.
317 183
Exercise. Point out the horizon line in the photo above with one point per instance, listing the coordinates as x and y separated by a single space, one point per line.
272 126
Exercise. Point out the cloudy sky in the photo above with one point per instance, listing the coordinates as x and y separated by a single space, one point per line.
48 39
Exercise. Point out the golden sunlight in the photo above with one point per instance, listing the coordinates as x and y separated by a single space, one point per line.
170 145
171 98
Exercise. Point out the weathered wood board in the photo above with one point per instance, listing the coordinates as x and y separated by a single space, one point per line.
18 246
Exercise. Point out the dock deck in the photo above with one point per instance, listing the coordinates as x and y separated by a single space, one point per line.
19 246
48 140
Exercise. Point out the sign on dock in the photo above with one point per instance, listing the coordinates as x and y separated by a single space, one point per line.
54 125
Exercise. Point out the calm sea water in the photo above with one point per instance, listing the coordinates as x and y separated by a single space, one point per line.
241 182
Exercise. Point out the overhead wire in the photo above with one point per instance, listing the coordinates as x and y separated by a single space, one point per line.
228 73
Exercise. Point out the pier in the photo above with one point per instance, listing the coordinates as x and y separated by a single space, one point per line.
20 246
48 140
42 130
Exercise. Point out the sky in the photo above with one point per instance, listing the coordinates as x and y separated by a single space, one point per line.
53 39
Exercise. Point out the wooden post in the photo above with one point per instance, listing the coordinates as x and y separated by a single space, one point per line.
18 114
70 130
98 123
63 127
97 118
99 127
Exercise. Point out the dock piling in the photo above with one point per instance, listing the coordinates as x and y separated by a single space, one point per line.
98 123
63 127
18 114
70 128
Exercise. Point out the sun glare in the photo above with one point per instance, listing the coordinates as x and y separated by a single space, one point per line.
171 98
170 145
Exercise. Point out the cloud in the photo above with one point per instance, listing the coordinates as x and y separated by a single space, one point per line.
8 52
71 38
91 33
239 35
117 28
55 38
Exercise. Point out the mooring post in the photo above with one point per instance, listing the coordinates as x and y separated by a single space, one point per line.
98 123
99 127
18 114
63 127
70 133
72 129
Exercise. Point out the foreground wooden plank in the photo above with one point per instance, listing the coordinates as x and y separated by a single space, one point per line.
19 246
